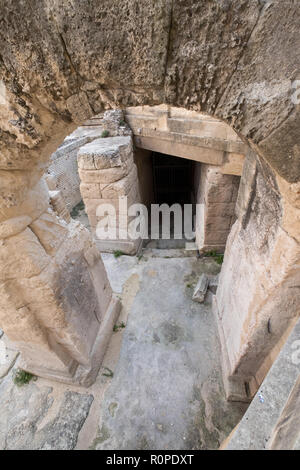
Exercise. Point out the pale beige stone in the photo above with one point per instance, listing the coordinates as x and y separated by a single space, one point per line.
51 182
49 231
11 227
41 101
105 153
216 237
233 164
79 107
109 175
222 223
129 247
267 277
182 133
216 197
90 190
218 194
39 308
59 206
8 357
121 204
121 187
35 202
22 256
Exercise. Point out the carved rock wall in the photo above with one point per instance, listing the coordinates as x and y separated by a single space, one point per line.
62 62
216 199
256 302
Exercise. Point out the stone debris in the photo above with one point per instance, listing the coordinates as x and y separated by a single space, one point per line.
201 289
114 122
213 283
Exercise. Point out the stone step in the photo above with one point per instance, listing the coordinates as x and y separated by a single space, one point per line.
169 253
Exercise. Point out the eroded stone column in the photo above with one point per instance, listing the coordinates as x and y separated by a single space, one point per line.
216 199
56 303
257 301
109 176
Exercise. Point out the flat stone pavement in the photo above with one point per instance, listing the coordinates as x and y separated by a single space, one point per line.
160 384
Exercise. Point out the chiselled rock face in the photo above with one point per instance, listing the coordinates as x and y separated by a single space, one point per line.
62 62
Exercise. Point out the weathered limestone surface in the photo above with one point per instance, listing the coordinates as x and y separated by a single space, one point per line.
201 288
48 415
25 409
166 392
8 356
261 266
187 134
62 173
53 287
59 206
63 62
235 59
272 419
108 173
216 199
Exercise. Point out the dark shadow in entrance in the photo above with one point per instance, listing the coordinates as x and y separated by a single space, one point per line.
172 179
165 179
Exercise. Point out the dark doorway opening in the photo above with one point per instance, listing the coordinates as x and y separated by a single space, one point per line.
166 179
172 179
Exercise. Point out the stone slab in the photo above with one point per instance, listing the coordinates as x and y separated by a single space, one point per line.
26 417
129 247
201 289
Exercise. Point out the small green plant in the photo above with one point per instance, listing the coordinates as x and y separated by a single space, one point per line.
21 377
218 257
77 209
189 286
118 253
122 123
105 133
109 372
119 326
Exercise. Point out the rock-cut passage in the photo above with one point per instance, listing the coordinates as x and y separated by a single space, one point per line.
166 392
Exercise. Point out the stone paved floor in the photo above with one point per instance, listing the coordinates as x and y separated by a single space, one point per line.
165 392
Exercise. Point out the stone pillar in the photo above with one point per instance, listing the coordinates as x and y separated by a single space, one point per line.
257 301
56 303
109 176
216 199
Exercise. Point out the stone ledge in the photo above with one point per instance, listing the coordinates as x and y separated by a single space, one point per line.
128 247
259 426
213 143
79 374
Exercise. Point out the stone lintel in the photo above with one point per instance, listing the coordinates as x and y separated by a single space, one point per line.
179 149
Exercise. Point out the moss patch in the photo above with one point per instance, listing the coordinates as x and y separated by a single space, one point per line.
77 209
21 377
218 257
118 253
